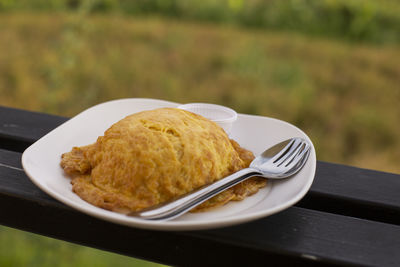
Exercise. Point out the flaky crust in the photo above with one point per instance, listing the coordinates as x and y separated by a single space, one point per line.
153 156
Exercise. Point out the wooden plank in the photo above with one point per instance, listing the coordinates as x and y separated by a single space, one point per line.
296 234
172 248
374 186
337 188
20 128
10 158
13 180
355 192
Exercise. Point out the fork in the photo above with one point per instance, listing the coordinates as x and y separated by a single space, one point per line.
279 161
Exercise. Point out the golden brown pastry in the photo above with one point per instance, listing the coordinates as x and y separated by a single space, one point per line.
153 156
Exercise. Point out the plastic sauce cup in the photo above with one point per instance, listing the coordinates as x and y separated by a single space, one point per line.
223 116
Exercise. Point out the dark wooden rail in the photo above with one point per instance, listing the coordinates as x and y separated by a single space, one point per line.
351 216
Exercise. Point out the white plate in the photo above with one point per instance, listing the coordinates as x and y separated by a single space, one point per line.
41 162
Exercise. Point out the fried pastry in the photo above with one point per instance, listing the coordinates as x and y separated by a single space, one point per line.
154 156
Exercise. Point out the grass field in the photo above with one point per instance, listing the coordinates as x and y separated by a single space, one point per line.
344 95
367 21
19 248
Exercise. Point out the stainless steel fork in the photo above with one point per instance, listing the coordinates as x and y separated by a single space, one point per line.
280 161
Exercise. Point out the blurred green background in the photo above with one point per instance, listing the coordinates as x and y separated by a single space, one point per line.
331 67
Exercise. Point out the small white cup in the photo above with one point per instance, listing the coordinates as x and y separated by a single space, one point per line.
223 116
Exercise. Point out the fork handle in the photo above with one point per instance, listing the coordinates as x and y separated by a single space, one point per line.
176 207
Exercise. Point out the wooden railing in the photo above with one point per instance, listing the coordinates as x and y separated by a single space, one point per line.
349 216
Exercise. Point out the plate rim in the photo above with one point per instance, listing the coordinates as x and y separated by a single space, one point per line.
174 225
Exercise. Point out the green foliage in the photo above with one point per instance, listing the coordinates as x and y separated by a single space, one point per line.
354 20
25 249
65 63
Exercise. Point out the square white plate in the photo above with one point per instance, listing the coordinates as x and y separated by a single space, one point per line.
41 162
